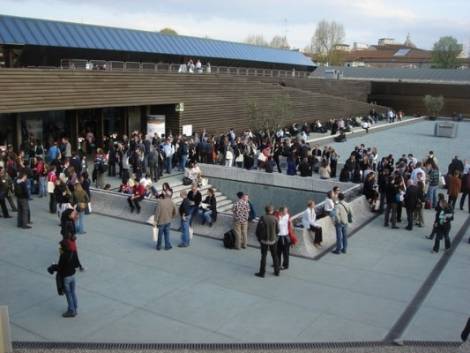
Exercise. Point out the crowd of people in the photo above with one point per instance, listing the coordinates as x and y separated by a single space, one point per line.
389 184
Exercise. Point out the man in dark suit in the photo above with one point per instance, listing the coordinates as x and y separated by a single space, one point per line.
411 201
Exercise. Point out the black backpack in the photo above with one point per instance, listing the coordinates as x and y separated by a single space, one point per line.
229 239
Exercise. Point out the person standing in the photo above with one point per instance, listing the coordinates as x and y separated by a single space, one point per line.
168 152
411 201
68 262
241 213
465 190
266 233
4 189
283 242
444 215
80 201
418 214
309 221
185 214
22 196
454 185
343 215
165 212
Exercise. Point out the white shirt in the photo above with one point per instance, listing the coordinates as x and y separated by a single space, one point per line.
284 225
414 174
329 205
309 218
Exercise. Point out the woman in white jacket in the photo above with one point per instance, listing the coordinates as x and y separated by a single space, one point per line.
309 221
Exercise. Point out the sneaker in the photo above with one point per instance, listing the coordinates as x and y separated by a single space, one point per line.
343 251
26 227
180 246
169 248
276 274
259 274
336 252
68 314
434 252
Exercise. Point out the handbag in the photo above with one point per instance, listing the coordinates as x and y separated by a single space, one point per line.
154 234
50 187
187 181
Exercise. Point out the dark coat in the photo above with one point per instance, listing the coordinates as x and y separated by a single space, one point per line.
411 197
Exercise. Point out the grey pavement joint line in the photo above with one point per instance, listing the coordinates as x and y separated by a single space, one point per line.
406 317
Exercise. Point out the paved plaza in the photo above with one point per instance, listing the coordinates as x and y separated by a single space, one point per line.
205 293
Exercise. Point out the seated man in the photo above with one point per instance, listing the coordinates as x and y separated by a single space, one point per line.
137 196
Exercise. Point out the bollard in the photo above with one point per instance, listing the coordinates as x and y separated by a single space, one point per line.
5 333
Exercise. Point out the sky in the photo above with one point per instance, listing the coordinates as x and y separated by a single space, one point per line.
364 21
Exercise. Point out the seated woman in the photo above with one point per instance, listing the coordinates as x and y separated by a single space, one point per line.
208 208
325 169
341 137
167 191
309 221
193 174
344 175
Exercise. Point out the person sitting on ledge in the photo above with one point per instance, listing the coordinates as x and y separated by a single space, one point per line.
341 137
208 208
192 174
137 196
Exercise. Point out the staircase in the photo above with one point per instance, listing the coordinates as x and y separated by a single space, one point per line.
224 204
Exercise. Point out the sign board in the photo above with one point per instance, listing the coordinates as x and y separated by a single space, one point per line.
179 107
34 128
155 124
187 130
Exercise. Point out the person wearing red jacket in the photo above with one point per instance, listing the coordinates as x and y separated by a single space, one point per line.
137 196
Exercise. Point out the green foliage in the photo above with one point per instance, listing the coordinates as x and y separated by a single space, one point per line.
445 53
433 105
169 31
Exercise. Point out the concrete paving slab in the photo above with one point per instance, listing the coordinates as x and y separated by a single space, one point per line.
328 328
144 326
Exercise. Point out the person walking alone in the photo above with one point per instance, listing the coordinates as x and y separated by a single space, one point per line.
22 196
266 232
283 243
444 215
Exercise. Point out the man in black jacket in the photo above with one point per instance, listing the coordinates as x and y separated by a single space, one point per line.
411 200
195 198
22 196
266 232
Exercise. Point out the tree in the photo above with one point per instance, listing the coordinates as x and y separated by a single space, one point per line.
256 39
279 42
281 111
445 53
433 105
327 35
168 30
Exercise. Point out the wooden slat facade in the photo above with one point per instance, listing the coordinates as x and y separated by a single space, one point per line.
215 102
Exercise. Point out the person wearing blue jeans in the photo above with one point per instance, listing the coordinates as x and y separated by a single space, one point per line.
343 217
70 295
341 238
164 232
165 212
185 214
79 223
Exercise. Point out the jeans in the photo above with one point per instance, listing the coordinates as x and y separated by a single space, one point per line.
69 289
24 213
341 237
183 161
79 223
192 211
184 232
442 233
164 231
431 195
206 216
42 186
283 247
168 164
29 187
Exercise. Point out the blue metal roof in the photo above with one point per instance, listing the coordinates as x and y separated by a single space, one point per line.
30 31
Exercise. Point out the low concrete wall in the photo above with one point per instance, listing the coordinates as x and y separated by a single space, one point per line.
272 179
115 205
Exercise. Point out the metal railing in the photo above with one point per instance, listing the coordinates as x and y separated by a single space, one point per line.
127 66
